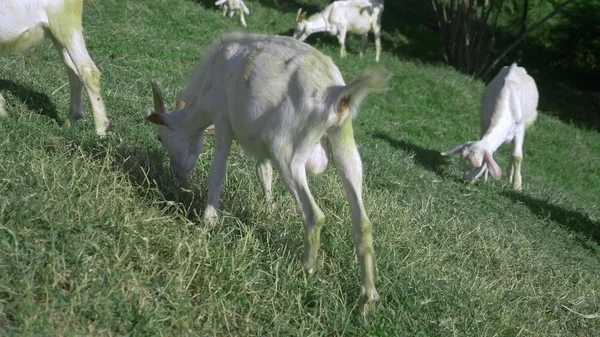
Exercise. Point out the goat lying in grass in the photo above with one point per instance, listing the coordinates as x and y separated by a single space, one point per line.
508 107
232 6
24 23
278 97
340 17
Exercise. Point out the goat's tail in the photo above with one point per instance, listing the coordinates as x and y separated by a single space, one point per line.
348 99
220 2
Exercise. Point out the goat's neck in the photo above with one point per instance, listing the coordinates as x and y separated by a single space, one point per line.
317 23
499 130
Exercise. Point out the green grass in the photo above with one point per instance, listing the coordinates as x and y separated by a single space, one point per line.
97 239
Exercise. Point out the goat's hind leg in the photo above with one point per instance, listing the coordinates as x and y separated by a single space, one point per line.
348 163
363 43
517 158
294 176
264 171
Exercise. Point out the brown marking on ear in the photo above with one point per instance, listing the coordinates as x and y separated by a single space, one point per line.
155 118
179 104
342 108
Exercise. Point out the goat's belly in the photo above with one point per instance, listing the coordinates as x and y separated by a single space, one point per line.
19 41
254 146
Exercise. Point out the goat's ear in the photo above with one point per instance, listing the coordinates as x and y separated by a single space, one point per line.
299 16
159 102
456 149
156 118
491 165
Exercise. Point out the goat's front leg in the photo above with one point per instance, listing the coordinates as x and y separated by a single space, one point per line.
76 105
363 43
242 20
2 104
87 72
264 171
348 163
224 9
342 41
216 176
293 174
517 158
377 33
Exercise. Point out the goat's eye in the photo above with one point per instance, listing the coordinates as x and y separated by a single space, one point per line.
159 139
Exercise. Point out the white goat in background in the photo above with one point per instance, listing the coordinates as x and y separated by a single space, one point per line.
278 97
340 17
24 23
232 6
508 108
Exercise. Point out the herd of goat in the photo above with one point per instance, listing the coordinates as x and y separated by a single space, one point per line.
292 108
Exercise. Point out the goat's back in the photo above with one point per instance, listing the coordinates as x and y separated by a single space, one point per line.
267 87
518 79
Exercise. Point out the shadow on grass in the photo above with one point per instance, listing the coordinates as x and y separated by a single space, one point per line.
429 159
148 172
572 220
34 100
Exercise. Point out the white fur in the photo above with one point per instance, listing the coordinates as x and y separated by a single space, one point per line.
341 17
232 6
24 23
285 103
508 107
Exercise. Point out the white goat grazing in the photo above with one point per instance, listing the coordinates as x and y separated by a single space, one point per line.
278 97
508 107
340 17
232 6
24 23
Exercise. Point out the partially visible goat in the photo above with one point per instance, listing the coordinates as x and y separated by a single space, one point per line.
280 98
232 6
508 107
24 23
340 17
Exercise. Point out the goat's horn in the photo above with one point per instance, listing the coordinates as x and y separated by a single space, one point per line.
159 102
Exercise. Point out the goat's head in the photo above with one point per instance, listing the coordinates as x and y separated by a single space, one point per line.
302 30
181 142
473 161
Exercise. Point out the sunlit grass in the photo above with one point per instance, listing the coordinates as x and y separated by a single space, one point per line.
97 238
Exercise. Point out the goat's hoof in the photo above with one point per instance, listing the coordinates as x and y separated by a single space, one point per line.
368 301
210 218
310 269
210 221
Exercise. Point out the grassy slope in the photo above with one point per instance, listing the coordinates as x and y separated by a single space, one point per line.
96 239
